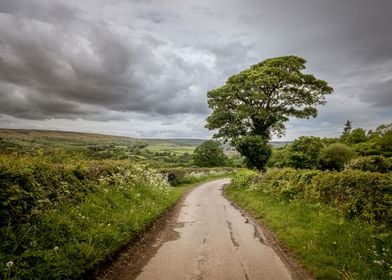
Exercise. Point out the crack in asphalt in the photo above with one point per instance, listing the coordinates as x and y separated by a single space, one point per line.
235 243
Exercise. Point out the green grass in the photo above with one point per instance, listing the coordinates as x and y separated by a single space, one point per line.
330 246
171 148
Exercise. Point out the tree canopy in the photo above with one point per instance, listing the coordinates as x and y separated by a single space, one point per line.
259 100
209 154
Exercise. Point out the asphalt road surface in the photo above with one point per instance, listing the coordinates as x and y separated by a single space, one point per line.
215 241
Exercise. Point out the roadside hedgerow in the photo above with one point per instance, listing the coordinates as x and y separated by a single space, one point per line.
355 193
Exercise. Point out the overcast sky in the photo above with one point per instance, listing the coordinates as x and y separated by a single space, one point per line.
142 68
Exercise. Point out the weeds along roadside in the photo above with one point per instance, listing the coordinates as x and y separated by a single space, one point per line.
58 220
338 224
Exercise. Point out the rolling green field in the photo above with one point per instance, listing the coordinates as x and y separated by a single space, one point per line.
62 144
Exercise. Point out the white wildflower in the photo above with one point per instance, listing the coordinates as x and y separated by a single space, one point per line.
10 264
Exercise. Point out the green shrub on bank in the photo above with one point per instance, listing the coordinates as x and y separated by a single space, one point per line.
355 193
326 244
371 163
32 185
243 178
338 223
59 220
335 156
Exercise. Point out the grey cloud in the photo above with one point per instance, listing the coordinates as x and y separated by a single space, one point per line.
378 94
95 63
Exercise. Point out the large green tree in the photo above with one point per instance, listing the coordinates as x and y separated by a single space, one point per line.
258 101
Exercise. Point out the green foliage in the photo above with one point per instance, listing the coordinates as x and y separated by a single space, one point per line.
209 154
259 100
335 156
304 152
356 194
385 143
377 142
279 157
255 149
355 136
174 175
367 195
243 178
371 163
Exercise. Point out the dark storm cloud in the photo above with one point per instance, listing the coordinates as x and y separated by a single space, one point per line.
75 60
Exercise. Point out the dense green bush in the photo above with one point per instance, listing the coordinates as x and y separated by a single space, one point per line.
174 175
371 163
367 195
287 183
32 185
243 178
355 193
59 220
304 152
278 157
335 156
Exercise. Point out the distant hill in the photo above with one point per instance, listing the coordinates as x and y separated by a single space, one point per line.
30 134
72 137
278 144
83 137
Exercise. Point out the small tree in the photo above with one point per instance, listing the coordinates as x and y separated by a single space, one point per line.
358 135
346 131
304 152
335 156
209 154
257 102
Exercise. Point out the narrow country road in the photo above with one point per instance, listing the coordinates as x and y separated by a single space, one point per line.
215 242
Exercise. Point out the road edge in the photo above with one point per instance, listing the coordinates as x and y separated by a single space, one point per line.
296 269
129 261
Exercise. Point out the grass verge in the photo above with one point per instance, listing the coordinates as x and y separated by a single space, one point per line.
330 246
